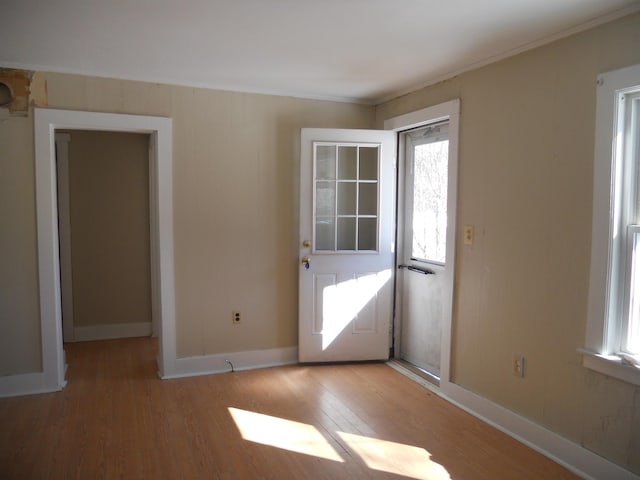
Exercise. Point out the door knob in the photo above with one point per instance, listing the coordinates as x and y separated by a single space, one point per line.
305 261
306 244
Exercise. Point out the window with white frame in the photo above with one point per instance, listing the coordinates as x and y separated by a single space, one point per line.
613 329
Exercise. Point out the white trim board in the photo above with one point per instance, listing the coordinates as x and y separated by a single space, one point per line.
110 331
572 456
249 360
25 384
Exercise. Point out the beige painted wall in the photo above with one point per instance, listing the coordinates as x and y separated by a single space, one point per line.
235 210
525 182
19 310
109 212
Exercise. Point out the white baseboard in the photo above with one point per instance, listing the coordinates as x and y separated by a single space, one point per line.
111 331
572 456
208 364
24 384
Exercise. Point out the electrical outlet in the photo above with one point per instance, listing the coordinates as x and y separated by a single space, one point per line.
235 316
518 365
468 234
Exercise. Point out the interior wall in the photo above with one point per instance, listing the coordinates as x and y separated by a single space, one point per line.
525 183
235 179
20 350
109 213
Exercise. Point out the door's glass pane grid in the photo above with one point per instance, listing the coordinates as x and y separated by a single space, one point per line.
346 233
430 201
347 163
325 233
326 162
325 198
368 198
368 165
368 229
346 197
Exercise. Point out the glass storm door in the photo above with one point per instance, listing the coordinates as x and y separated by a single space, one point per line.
346 239
422 282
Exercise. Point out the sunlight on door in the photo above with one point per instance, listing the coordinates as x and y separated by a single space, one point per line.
350 303
346 244
381 455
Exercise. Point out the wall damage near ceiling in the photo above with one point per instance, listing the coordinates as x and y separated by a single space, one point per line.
19 89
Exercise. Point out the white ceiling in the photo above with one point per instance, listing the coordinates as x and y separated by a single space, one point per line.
352 50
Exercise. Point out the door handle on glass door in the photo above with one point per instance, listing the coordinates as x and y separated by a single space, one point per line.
305 261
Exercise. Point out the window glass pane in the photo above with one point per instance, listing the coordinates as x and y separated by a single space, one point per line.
368 202
631 341
633 327
325 198
347 163
325 233
346 198
368 163
632 124
347 233
326 162
430 201
367 234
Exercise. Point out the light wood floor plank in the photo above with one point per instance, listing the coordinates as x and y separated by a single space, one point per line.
116 419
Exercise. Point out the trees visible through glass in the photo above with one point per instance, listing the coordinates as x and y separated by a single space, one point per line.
430 165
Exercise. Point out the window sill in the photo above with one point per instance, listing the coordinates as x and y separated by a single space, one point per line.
610 365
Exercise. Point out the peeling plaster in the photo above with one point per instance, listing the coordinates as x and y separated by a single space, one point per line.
24 91
38 96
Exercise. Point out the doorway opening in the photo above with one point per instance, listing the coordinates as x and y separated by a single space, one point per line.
423 245
47 122
103 224
425 238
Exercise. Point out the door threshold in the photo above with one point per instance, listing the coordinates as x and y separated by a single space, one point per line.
421 372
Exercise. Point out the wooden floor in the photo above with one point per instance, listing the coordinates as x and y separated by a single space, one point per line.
116 419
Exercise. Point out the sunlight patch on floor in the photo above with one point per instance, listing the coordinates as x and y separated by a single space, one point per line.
396 458
286 434
381 455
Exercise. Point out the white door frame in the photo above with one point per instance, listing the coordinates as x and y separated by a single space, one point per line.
449 110
64 233
161 218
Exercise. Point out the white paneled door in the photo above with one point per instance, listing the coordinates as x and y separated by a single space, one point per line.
347 180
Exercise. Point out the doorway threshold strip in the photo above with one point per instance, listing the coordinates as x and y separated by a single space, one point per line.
407 372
